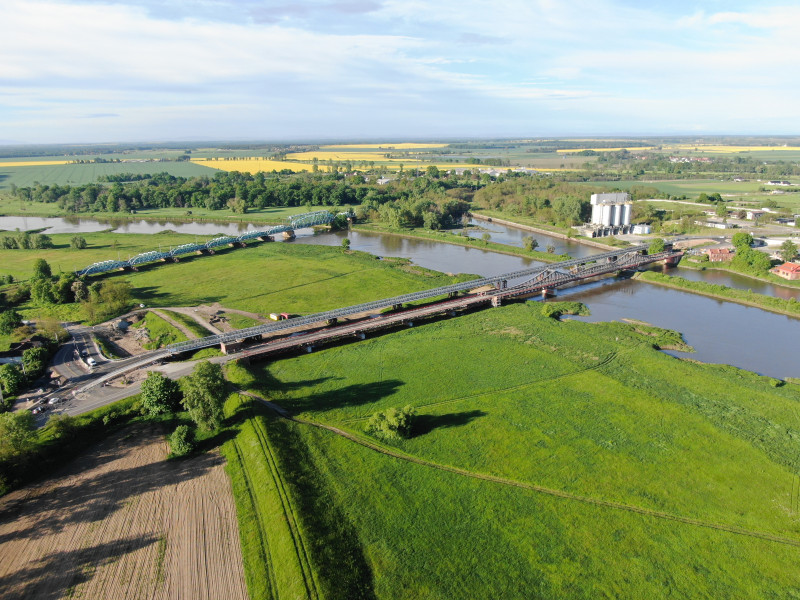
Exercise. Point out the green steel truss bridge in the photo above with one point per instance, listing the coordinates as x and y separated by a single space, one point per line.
322 217
537 278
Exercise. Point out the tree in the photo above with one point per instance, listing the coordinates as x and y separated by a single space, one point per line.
656 246
16 431
203 394
530 243
160 395
181 442
788 251
346 243
742 240
78 242
9 321
41 270
11 378
392 424
551 249
721 210
34 361
79 291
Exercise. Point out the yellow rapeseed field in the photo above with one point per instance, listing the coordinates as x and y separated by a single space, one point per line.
730 149
387 146
252 165
35 163
323 155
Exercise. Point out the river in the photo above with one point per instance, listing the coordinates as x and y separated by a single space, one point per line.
719 331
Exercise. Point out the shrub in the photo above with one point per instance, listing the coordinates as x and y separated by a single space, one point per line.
181 442
392 424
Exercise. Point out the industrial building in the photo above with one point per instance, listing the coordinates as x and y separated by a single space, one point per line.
611 210
611 215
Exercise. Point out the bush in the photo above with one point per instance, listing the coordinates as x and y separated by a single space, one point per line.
181 442
392 424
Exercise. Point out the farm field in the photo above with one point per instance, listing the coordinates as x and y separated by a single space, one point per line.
122 522
77 174
559 459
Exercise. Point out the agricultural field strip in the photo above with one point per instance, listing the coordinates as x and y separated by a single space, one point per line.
607 360
288 510
378 304
263 545
528 486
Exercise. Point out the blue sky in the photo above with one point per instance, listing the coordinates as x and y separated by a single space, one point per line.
106 70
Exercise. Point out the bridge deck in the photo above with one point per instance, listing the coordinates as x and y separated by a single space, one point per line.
600 263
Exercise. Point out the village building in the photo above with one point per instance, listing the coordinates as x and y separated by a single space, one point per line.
787 270
719 254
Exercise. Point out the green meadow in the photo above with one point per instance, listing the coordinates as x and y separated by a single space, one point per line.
78 174
549 459
261 278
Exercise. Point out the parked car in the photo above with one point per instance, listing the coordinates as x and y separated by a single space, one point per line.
54 400
91 362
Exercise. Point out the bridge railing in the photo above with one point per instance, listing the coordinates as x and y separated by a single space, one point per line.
295 222
385 303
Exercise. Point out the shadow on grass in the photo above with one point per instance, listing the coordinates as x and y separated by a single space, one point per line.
426 423
351 395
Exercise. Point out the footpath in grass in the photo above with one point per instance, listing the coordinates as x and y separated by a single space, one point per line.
664 475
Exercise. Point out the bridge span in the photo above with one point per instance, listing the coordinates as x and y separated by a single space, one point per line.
537 279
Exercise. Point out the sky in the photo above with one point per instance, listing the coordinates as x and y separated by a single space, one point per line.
88 71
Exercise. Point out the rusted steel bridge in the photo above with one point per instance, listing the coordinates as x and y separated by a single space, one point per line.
323 327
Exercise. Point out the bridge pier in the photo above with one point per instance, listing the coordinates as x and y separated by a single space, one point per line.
548 293
289 234
496 301
501 285
309 349
397 306
332 321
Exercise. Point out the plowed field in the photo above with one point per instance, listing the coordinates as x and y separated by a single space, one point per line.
121 522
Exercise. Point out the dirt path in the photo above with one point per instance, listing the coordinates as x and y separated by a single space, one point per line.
176 324
122 523
528 486
192 313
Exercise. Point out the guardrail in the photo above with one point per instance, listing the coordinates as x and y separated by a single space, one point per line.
320 217
240 334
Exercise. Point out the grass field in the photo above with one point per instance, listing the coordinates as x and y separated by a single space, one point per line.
262 278
161 333
77 174
550 459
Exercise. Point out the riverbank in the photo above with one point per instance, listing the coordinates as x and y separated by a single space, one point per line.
694 265
454 239
10 207
555 232
789 307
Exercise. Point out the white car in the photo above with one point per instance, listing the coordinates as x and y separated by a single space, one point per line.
54 400
91 362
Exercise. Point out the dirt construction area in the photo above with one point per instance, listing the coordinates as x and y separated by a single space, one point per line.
121 522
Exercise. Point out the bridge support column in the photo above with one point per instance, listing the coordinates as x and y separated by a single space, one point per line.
410 323
501 285
289 235
332 321
361 335
548 293
309 349
496 301
397 306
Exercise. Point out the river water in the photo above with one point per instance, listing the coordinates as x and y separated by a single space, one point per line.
721 332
